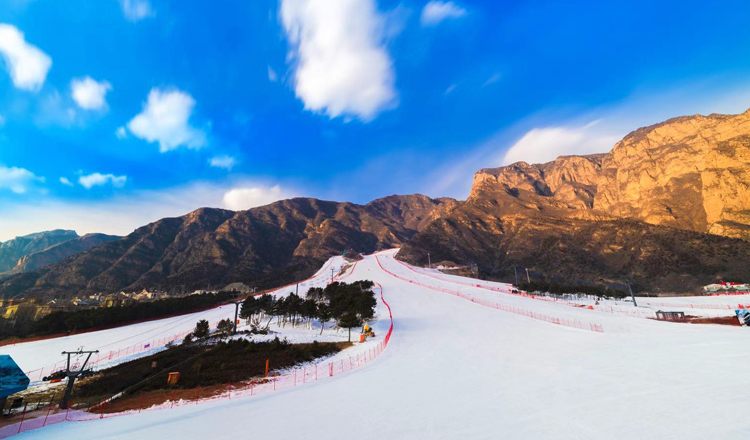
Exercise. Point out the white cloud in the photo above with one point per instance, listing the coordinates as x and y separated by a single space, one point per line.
272 76
541 145
226 162
26 63
242 198
450 89
435 12
121 133
166 119
342 65
89 181
18 180
89 94
136 10
65 181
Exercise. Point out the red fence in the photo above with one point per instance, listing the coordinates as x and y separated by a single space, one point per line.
256 386
512 309
638 313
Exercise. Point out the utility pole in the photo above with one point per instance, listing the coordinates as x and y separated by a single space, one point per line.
297 292
516 272
429 262
73 375
331 275
528 280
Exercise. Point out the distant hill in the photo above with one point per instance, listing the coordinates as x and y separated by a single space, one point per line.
13 250
57 252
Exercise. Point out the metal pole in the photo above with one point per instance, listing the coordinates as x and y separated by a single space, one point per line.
516 272
331 274
429 262
527 276
236 314
635 304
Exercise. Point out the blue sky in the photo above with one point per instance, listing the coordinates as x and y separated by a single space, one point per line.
114 113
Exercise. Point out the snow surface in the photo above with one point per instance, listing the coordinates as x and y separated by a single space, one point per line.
456 369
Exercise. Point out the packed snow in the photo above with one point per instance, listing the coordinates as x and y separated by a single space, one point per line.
458 369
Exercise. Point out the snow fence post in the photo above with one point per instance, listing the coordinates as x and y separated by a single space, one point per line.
330 369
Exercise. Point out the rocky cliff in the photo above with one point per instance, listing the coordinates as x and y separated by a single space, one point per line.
691 173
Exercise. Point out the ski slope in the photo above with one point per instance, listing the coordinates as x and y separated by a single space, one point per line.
457 369
39 358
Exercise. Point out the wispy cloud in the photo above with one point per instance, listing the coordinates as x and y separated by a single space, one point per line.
272 75
166 119
495 77
342 65
89 181
226 162
136 10
65 181
436 12
26 63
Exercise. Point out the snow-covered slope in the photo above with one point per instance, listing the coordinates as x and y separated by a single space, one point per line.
457 369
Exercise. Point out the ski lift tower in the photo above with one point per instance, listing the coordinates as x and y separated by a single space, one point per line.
72 373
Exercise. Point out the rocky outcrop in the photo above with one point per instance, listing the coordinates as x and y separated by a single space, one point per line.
691 173
666 208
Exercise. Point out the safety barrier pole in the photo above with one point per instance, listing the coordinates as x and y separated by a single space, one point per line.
23 416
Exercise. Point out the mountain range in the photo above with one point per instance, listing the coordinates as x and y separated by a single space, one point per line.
667 210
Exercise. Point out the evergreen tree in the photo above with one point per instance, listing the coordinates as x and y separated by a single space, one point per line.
323 313
201 329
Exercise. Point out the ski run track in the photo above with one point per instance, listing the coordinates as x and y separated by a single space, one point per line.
466 360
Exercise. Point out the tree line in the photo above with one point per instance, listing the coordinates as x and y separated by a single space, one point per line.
88 319
348 304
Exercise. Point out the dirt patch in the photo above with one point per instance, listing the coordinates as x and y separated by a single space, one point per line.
720 320
199 365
